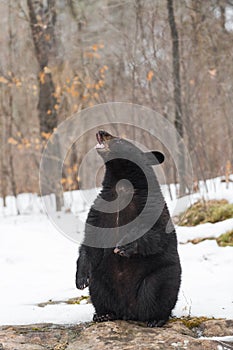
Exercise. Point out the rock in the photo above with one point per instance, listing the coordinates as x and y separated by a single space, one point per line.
129 335
36 337
220 328
116 335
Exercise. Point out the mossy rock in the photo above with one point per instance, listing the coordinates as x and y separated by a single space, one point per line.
206 211
191 322
226 239
77 300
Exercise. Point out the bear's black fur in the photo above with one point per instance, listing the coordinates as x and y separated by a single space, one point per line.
139 278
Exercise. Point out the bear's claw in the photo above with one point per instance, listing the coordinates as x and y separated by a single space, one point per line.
103 318
82 283
127 250
156 323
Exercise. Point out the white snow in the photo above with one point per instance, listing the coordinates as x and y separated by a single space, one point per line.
38 263
227 338
185 233
207 284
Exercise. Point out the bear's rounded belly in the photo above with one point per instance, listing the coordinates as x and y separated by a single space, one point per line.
123 276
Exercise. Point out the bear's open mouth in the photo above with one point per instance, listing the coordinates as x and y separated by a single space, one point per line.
102 138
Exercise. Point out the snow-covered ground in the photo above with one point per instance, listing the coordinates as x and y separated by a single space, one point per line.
37 264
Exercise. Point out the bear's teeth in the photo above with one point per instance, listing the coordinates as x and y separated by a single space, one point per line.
99 145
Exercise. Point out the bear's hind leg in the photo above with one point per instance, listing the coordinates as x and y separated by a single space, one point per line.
156 298
103 301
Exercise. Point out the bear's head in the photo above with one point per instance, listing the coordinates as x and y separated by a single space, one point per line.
111 147
124 160
130 186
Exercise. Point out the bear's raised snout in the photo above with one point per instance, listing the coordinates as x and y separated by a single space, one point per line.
103 136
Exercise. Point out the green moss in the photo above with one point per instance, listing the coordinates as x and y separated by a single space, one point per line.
78 300
206 211
35 329
69 301
226 239
192 322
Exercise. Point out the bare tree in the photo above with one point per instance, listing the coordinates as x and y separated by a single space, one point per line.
7 159
42 21
177 91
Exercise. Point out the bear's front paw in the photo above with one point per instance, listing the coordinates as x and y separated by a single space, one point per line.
82 282
126 250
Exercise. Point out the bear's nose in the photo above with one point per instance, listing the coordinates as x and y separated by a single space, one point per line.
103 136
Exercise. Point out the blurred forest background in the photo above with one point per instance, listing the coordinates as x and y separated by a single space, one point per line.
60 56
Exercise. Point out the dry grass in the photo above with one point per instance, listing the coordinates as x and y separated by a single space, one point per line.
206 211
226 239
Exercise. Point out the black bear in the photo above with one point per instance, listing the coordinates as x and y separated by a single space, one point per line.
129 255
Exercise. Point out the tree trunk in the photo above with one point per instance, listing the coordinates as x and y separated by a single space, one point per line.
11 109
177 93
47 104
42 21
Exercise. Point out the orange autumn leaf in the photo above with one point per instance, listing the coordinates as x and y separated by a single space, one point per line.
42 77
12 141
92 55
212 72
3 80
103 69
75 167
69 181
73 91
150 75
45 135
101 83
95 47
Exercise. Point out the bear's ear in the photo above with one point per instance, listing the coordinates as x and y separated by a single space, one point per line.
154 157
